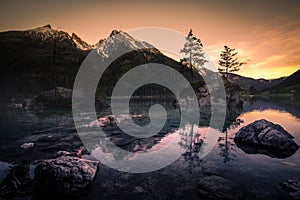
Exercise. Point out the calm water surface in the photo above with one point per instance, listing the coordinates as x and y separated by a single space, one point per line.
256 173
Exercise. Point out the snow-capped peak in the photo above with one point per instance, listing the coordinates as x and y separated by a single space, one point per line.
80 43
43 29
122 42
48 33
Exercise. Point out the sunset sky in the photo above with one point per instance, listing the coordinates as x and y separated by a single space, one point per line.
266 32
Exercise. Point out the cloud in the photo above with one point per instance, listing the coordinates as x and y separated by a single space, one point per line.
269 60
273 48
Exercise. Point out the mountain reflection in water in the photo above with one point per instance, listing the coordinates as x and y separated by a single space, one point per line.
253 172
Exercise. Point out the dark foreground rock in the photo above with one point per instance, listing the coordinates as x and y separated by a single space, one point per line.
66 175
18 182
290 189
265 134
217 188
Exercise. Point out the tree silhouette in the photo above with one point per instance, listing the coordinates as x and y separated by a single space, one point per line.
193 53
229 62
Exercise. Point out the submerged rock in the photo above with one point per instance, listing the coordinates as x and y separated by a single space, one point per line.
290 188
67 175
27 145
216 188
111 121
265 134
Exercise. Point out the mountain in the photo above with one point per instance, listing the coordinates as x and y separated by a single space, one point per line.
293 79
283 85
42 58
254 85
38 59
37 37
134 53
120 41
290 85
80 43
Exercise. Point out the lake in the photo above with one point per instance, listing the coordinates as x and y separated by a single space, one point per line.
256 173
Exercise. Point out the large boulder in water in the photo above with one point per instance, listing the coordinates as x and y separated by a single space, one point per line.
67 175
217 188
263 133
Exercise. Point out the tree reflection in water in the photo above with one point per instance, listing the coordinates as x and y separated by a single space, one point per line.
191 140
226 142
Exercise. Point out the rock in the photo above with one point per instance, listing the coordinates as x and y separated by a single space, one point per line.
109 120
203 89
58 97
263 133
64 153
138 189
234 99
27 145
46 138
290 189
205 94
66 174
204 101
26 103
15 106
17 182
216 188
57 93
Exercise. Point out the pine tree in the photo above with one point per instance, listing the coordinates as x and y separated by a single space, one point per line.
193 53
229 62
